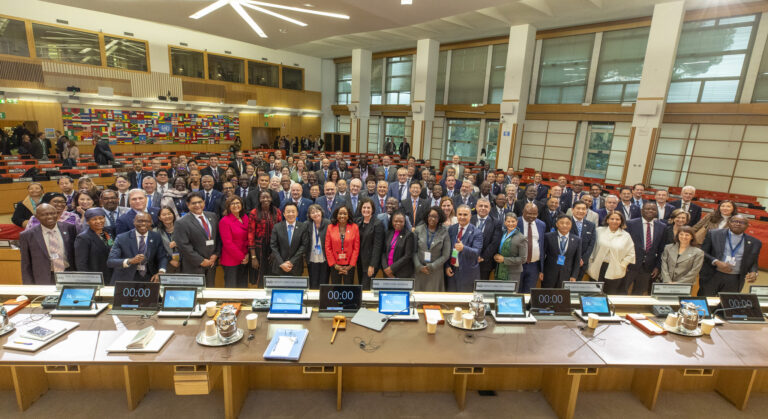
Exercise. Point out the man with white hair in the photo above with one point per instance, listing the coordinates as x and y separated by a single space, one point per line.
458 169
137 200
302 204
353 200
611 202
686 203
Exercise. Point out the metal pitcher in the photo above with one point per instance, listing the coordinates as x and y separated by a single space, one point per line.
3 317
688 318
477 306
226 323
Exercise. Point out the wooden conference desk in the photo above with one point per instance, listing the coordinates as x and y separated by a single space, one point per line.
557 358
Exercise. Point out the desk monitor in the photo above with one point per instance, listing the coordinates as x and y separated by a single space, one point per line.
179 299
595 304
550 301
394 302
76 297
660 290
740 307
510 305
340 298
131 295
701 305
79 278
287 301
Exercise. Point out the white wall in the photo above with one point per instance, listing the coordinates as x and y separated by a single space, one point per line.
160 36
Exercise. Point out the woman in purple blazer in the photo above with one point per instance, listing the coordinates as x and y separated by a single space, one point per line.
233 229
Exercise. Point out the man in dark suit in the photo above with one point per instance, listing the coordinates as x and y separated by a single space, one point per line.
541 190
399 189
465 197
302 204
212 196
462 269
243 186
330 201
46 248
450 186
686 203
252 201
196 238
491 229
550 213
138 254
562 255
354 197
137 199
730 258
586 231
214 171
499 208
533 229
137 174
112 212
611 203
39 147
598 201
288 243
626 206
102 153
238 164
637 195
380 199
648 235
392 205
573 194
530 198
662 206
414 202
324 173
149 184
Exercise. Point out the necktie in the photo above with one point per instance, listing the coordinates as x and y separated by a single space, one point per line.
414 203
386 173
648 238
685 207
563 242
69 200
111 217
354 203
149 201
330 206
402 187
530 243
458 238
215 174
290 233
578 227
205 227
381 203
501 213
122 199
207 198
138 179
481 224
55 248
142 251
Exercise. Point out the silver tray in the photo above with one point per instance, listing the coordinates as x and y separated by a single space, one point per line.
217 340
677 331
10 327
459 325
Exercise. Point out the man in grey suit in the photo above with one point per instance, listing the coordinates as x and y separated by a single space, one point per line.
46 248
325 171
330 201
730 258
389 171
288 243
149 184
196 237
458 169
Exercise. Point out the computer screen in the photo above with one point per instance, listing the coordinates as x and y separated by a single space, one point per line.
287 301
130 295
179 298
740 306
701 305
76 297
509 305
595 304
340 298
550 301
394 302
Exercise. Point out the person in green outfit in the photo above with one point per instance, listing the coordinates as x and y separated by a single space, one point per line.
513 250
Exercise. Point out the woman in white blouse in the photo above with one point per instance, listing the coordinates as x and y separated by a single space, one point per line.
614 251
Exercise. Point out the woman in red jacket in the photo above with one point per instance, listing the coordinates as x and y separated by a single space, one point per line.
342 246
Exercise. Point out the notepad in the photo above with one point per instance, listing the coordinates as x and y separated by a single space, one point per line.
286 345
20 341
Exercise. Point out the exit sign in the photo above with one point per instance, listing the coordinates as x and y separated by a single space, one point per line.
266 124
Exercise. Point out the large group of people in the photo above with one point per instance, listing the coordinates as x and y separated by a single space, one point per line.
281 214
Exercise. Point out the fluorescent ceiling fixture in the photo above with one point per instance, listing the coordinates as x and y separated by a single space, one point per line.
406 2
262 7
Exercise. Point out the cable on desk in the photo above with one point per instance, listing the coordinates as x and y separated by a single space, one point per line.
366 346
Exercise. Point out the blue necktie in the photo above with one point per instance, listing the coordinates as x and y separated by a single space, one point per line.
354 203
578 226
563 241
290 233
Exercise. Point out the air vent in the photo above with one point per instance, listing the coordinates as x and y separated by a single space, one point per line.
183 44
128 33
62 21
264 59
228 52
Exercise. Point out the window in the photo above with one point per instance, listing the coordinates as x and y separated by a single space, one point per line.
377 78
67 45
463 136
564 69
600 140
761 86
620 65
293 78
263 74
442 69
125 53
498 68
225 69
467 75
711 60
398 83
13 37
491 142
344 83
394 129
187 63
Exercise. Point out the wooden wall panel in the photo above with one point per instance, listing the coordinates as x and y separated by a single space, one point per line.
47 114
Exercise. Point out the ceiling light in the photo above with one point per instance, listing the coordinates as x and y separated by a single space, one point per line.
263 7
406 2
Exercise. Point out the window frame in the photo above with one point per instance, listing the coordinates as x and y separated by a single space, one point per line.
242 60
283 66
388 77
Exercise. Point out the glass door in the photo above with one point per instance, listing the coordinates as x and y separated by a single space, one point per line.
598 150
491 142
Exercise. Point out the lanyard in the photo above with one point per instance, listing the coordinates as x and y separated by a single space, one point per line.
430 238
317 237
341 235
505 237
730 244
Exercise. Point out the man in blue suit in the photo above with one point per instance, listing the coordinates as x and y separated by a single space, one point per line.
686 203
137 199
611 203
466 244
212 196
585 230
664 209
648 235
399 189
330 201
533 229
491 229
139 254
380 198
301 203
541 190
626 206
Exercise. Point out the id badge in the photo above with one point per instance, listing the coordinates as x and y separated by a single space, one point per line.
317 249
342 256
561 260
427 256
54 256
730 260
209 242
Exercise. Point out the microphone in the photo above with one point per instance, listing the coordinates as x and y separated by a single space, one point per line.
385 319
724 309
91 301
188 316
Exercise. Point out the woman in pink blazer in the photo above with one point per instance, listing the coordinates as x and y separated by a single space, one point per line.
233 228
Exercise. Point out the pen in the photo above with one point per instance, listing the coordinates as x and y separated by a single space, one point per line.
22 343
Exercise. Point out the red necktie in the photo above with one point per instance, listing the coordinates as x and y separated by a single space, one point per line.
205 226
530 242
648 239
381 201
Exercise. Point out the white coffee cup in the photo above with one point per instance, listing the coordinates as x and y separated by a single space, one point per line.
210 308
707 326
467 320
210 329
252 321
671 320
592 320
457 312
431 326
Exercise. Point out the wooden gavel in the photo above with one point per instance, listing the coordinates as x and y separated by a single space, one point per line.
339 322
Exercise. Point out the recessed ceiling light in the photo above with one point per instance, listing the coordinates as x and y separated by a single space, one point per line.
406 2
283 30
309 5
262 7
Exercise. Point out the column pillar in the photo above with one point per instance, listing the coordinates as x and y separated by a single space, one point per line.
360 102
423 97
666 24
517 77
